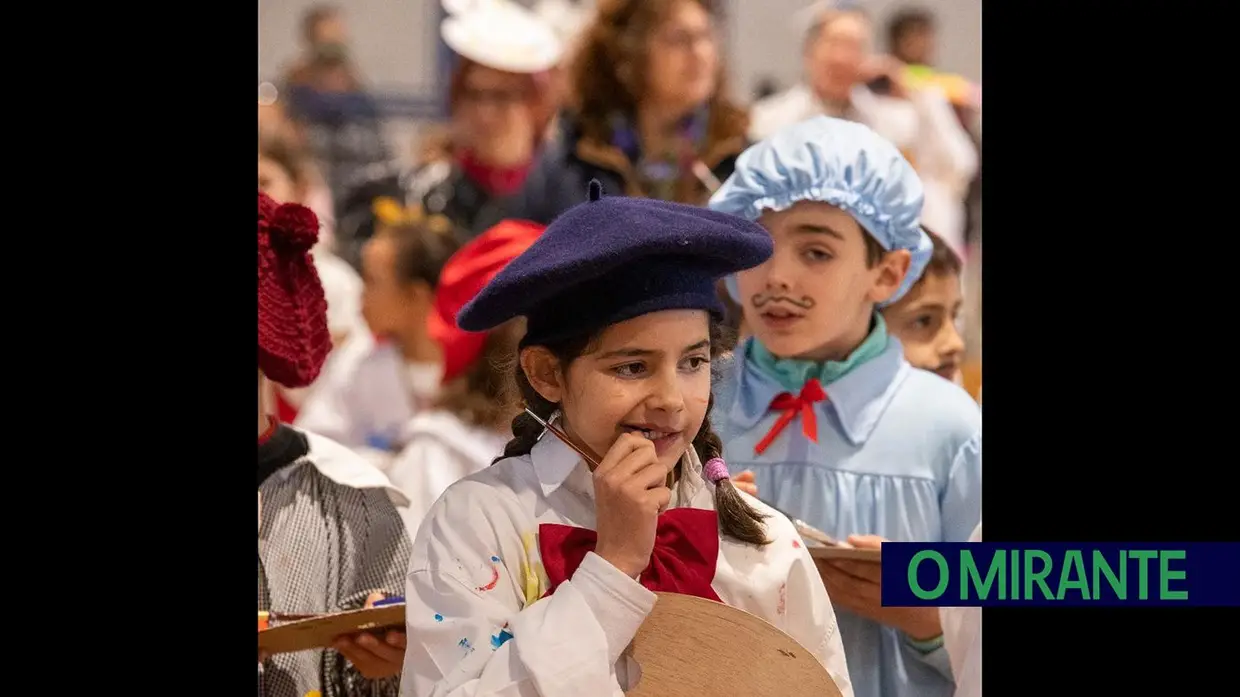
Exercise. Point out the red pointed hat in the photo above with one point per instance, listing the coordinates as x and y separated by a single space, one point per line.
465 274
293 339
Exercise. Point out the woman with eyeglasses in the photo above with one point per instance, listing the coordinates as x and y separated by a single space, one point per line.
648 114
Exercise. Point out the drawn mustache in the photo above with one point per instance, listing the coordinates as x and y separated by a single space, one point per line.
759 300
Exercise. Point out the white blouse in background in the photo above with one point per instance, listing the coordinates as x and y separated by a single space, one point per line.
477 620
342 287
366 395
440 450
962 637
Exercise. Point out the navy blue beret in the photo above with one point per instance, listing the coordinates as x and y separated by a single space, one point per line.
614 258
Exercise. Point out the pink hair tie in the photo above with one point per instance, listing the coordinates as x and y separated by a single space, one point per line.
715 470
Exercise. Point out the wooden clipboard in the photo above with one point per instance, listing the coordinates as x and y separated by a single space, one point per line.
319 632
827 553
691 647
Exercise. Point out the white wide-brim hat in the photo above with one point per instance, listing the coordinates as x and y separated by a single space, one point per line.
568 19
502 35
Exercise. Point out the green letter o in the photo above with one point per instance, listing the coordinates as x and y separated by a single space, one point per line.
912 574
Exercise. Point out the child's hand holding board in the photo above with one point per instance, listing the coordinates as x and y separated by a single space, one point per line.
845 550
853 576
321 631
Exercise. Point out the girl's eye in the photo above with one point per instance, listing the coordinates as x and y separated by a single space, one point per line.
629 370
922 322
695 363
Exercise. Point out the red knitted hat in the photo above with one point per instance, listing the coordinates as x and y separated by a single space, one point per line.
471 268
293 340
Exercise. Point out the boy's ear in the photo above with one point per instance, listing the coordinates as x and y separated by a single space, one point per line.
543 371
420 291
889 274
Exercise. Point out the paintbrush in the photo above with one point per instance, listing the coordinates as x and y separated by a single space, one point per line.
704 175
806 530
564 437
577 448
266 616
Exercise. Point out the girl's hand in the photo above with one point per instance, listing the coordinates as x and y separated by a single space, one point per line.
744 481
629 491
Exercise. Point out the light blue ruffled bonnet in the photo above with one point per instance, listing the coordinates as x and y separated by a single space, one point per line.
841 163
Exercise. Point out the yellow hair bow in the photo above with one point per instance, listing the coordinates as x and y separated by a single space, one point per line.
389 212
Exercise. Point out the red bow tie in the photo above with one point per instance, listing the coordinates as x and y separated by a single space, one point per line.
686 549
791 405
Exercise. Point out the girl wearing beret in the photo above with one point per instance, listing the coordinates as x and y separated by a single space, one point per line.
532 576
821 403
467 426
329 535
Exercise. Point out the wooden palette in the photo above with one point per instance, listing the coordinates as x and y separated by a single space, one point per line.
840 552
319 632
691 647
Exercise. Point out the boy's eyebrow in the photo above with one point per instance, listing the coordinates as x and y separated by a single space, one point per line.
819 229
922 305
637 352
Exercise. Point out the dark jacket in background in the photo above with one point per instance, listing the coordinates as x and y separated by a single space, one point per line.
355 217
439 187
568 162
443 188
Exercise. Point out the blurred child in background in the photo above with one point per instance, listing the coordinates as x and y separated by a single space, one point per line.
330 537
380 378
287 174
926 319
469 423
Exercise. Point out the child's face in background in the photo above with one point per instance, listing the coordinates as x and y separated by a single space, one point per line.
390 305
275 181
925 322
814 298
651 372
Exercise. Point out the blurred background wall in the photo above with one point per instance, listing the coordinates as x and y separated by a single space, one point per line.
397 47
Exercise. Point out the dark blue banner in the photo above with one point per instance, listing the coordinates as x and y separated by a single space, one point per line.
1050 574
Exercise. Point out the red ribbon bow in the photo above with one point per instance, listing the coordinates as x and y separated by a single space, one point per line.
804 404
686 549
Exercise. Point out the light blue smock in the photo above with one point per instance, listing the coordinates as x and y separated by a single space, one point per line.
898 455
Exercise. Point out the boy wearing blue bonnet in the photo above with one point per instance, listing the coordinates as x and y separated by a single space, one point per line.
820 402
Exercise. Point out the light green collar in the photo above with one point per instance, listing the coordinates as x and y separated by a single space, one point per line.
792 373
